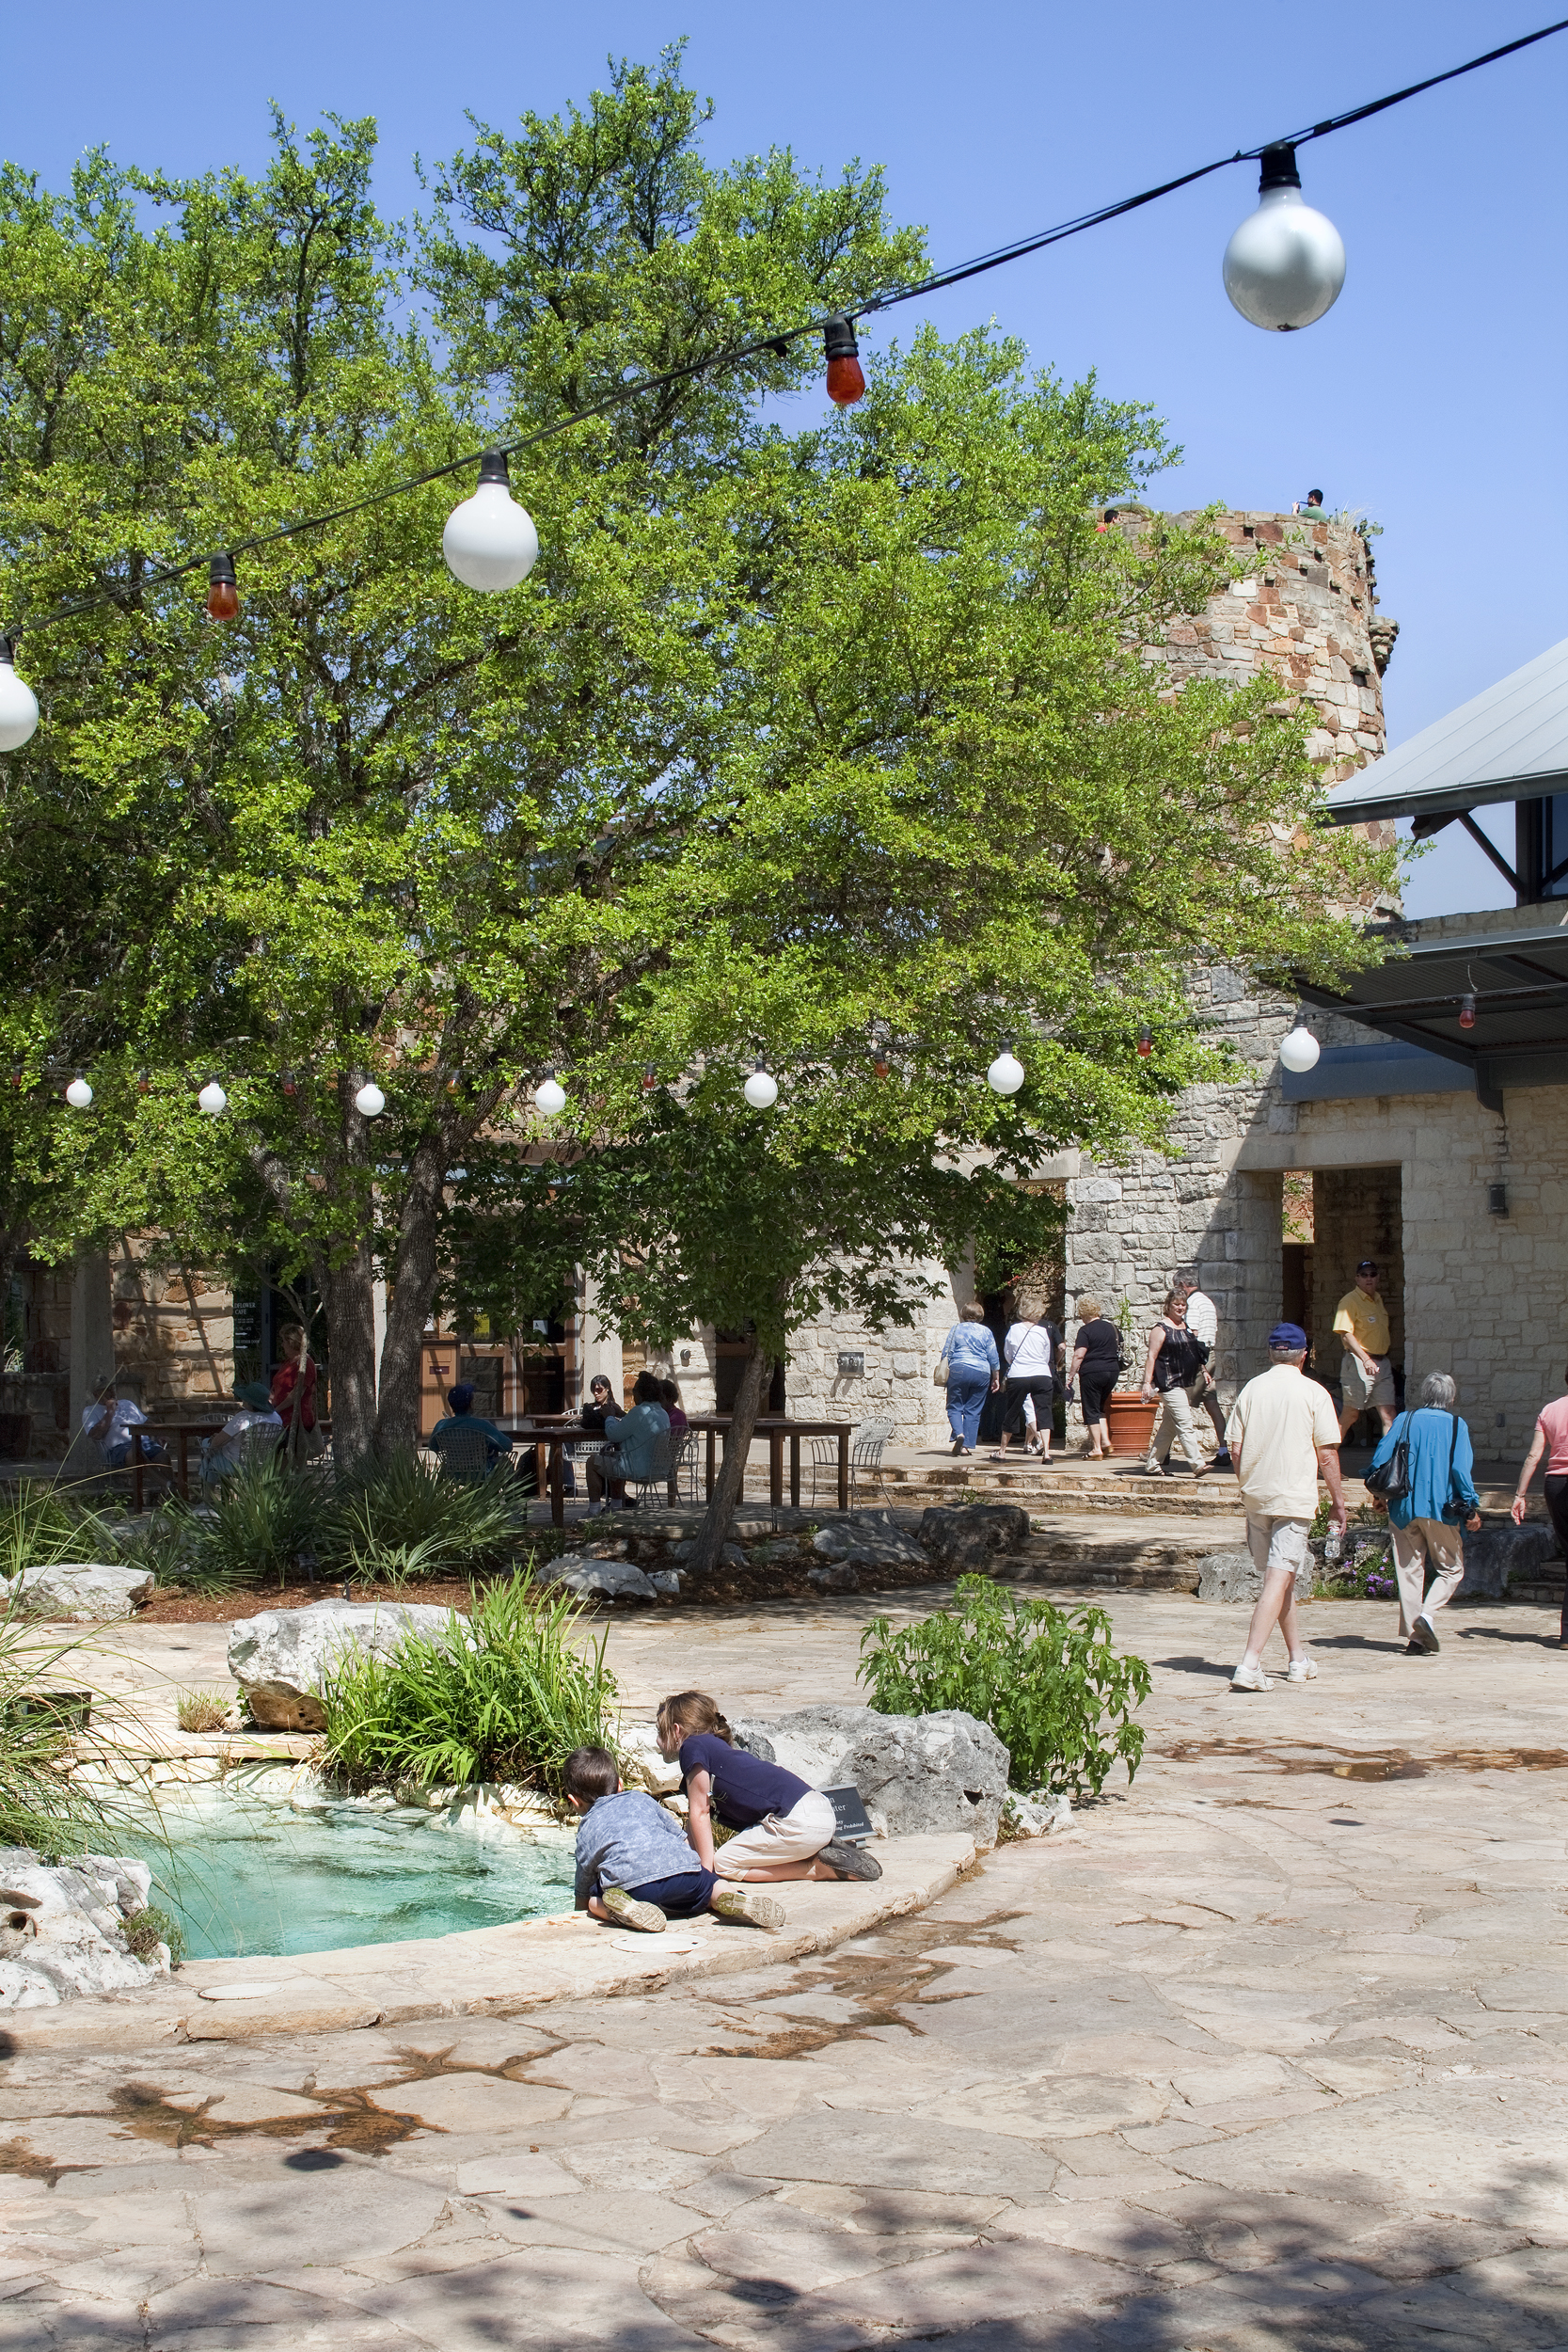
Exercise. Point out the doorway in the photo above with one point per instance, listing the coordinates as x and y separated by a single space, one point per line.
1354 1213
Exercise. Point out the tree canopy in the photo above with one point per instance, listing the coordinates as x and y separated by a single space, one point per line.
839 737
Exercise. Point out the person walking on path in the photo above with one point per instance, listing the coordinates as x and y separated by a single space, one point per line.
1096 1367
1203 1322
1551 1439
974 1369
1424 1519
1366 1375
1282 1432
1170 1373
1028 1351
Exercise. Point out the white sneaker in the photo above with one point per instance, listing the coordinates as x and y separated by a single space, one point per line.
1250 1678
1302 1670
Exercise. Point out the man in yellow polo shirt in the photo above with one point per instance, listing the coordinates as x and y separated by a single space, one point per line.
1366 1375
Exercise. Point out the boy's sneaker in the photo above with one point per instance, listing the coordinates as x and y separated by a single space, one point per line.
748 1910
628 1911
849 1862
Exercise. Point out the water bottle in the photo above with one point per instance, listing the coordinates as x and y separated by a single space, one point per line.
1333 1545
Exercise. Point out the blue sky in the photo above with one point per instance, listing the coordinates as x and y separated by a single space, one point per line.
1432 394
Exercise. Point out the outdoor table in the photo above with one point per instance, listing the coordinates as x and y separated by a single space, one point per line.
551 1434
181 1432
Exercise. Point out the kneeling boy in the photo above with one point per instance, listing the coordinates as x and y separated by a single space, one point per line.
634 1865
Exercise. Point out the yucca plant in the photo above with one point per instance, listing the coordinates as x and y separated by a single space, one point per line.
499 1695
392 1520
255 1526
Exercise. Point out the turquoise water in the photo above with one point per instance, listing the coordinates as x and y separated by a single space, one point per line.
245 1876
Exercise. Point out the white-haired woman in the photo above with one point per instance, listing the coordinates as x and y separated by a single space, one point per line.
1425 1519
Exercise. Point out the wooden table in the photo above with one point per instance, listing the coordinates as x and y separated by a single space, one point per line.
551 1434
181 1432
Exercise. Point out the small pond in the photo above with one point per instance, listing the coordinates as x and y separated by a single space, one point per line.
245 1875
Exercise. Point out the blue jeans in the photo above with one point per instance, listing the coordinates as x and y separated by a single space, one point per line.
967 1391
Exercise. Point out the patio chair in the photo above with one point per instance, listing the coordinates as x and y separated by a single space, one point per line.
463 1454
257 1444
866 1460
685 1470
655 1482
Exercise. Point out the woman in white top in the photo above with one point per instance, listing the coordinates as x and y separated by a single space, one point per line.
1027 1349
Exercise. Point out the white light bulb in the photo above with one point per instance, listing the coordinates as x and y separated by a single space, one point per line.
79 1095
369 1102
762 1089
212 1099
550 1097
18 705
1286 264
1006 1075
1300 1050
489 541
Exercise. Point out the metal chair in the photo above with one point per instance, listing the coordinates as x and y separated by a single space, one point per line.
463 1454
656 1480
684 1475
255 1445
865 1459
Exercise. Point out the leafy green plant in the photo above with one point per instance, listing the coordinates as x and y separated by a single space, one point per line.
42 1524
392 1520
1045 1679
255 1526
499 1695
149 1929
42 1804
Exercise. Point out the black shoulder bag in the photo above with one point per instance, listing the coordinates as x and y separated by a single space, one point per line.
1392 1479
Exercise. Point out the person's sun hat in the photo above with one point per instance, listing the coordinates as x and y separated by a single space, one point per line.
255 1393
1288 1338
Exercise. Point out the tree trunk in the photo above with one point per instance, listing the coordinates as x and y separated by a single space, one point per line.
415 1273
714 1531
350 1297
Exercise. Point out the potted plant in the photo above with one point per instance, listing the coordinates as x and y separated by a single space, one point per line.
1131 1421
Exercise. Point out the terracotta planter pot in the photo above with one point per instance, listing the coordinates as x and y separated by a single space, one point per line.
1132 1420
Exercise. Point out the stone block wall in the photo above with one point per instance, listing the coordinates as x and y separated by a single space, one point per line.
896 1381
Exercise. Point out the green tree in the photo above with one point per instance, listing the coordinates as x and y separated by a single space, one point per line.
823 739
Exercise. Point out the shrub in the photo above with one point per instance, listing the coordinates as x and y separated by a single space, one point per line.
500 1696
1045 1679
42 1524
149 1929
256 1524
393 1520
203 1710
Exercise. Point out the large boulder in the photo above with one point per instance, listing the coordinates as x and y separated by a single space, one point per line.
869 1543
61 1928
607 1580
83 1589
915 1773
1228 1576
279 1658
924 1774
974 1535
1499 1553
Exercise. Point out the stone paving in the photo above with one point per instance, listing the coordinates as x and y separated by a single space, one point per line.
1267 2052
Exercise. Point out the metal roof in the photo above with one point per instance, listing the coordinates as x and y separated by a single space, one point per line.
1508 744
1519 975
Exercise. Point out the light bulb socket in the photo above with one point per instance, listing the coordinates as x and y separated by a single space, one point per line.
1277 169
221 571
839 336
492 468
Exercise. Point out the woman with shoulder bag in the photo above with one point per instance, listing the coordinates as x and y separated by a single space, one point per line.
1172 1368
1424 1507
968 1370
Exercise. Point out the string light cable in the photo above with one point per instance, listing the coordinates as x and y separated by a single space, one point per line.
496 550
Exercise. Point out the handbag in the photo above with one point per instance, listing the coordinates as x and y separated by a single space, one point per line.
1390 1480
940 1377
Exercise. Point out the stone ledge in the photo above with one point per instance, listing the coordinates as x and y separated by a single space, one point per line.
565 1959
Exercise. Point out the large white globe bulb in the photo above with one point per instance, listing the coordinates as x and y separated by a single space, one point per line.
1300 1050
79 1095
762 1091
1286 264
18 705
1006 1075
550 1097
489 541
212 1099
369 1102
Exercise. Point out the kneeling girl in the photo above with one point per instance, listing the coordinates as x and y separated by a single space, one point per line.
786 1828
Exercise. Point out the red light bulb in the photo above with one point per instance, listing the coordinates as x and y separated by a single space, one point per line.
846 377
287 1082
1466 1013
144 1084
650 1077
1146 1043
223 594
880 1065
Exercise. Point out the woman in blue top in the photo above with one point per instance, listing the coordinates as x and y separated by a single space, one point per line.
785 1826
1425 1520
974 1369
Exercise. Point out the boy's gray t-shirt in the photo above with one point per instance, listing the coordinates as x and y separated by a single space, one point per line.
628 1840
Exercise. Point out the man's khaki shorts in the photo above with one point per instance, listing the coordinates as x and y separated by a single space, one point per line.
1278 1543
1360 1391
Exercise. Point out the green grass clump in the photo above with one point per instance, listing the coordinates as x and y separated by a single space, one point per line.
42 1524
1045 1679
392 1521
149 1929
499 1695
41 1804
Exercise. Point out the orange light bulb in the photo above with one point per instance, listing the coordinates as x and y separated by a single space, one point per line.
223 594
1466 1013
1146 1043
846 377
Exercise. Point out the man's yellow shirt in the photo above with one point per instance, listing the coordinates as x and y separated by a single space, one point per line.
1367 1317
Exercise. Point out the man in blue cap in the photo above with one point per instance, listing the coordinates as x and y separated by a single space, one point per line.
1283 1430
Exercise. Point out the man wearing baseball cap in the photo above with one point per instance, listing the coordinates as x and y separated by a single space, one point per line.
1366 1375
1282 1430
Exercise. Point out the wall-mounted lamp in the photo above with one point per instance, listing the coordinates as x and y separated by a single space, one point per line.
1497 1199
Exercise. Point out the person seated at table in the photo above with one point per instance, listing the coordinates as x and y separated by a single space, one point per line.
455 1429
639 1446
673 1404
601 1402
109 1421
229 1448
